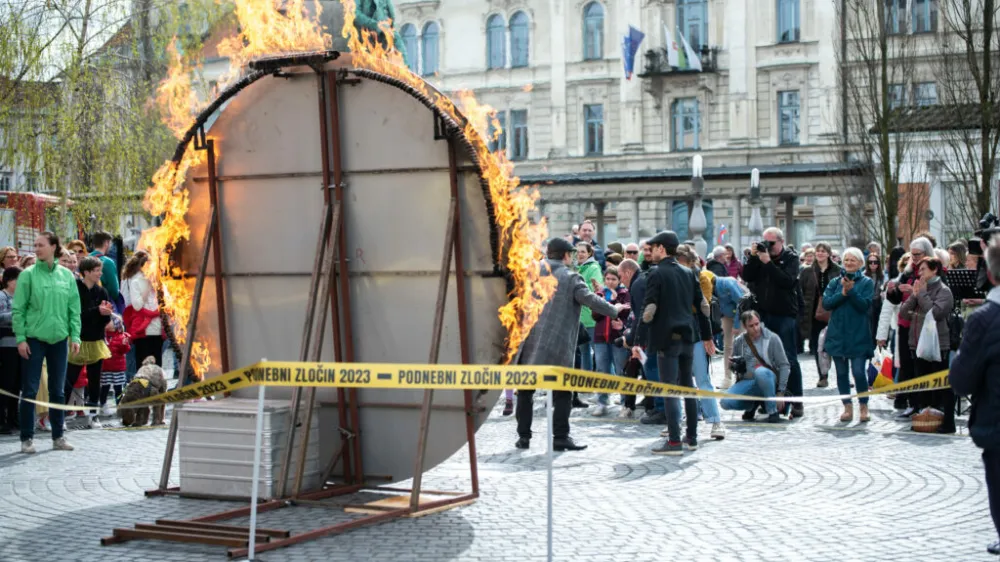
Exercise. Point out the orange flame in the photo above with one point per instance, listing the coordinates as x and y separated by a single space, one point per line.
512 204
266 29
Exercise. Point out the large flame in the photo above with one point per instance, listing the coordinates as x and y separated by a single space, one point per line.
284 26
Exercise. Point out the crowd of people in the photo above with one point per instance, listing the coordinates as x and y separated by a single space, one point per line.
71 332
665 312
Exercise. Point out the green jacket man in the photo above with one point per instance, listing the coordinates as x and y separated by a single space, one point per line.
46 305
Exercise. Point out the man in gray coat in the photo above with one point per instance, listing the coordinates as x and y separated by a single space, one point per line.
552 340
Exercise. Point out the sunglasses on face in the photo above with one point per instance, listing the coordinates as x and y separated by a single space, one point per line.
631 251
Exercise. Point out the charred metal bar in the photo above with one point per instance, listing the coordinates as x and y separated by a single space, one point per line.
239 512
333 99
220 296
276 533
317 348
314 60
436 328
123 535
235 532
186 357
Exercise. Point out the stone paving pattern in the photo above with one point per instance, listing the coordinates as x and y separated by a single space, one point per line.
812 490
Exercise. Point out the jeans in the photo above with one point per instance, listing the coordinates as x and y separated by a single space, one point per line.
610 359
729 330
652 373
562 403
709 406
674 364
130 367
586 353
787 329
54 355
93 382
991 462
857 365
762 385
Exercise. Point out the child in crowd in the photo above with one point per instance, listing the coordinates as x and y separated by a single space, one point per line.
77 396
113 369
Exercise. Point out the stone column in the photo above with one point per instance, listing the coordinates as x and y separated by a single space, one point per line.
599 235
737 230
756 226
697 222
790 220
635 220
557 87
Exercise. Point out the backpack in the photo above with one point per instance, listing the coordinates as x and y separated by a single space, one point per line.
716 316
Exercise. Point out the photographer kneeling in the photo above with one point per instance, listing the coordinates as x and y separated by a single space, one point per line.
760 348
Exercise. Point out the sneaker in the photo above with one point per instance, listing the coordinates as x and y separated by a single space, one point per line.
43 424
508 407
994 548
718 431
626 413
691 443
726 383
106 411
750 414
905 414
670 448
823 382
61 445
797 411
28 447
69 415
599 410
656 418
94 423
774 418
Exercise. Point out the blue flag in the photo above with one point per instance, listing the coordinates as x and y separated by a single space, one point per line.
630 46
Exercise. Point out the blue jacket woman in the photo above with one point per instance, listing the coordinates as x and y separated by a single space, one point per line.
848 335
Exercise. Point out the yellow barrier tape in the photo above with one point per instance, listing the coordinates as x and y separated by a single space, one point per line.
466 377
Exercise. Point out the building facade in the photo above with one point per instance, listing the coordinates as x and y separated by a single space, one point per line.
620 150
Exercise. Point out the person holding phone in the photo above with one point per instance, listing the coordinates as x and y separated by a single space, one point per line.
897 292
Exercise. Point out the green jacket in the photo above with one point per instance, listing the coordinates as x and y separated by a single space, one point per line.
109 274
46 304
589 269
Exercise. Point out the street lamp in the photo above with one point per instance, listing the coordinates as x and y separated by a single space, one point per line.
698 223
756 223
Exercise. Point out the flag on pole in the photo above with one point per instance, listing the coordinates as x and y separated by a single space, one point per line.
672 52
630 46
692 58
723 232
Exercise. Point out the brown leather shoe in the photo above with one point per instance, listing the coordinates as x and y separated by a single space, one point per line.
865 416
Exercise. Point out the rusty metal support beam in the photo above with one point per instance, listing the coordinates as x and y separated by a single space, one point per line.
199 286
276 533
123 535
239 512
220 294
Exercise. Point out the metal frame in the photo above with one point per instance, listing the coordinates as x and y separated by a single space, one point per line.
331 244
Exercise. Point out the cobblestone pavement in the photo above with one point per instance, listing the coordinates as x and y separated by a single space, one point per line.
812 490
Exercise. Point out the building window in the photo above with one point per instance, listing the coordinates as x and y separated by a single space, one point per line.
680 219
692 15
925 16
519 32
897 96
429 48
519 133
498 140
31 182
496 42
788 112
686 124
593 117
409 36
593 31
895 16
788 21
925 93
6 179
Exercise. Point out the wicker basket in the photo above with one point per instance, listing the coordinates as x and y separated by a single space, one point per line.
927 420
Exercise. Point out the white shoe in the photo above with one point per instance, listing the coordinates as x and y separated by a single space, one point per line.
727 382
44 424
718 431
61 445
106 411
93 423
599 410
28 447
626 413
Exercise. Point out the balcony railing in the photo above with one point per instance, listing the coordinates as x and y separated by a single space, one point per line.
656 62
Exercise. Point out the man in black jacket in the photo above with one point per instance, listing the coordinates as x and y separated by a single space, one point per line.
976 371
671 309
773 275
634 277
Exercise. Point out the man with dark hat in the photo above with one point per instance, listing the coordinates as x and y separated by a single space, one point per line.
673 322
553 340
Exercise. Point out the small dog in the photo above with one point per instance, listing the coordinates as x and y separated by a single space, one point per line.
148 381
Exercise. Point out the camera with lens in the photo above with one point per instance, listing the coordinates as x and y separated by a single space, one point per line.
989 225
764 246
739 366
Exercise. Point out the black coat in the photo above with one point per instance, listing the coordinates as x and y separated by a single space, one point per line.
675 291
637 296
976 371
92 322
717 268
775 284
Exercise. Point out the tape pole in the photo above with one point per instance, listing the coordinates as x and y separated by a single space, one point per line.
549 436
257 446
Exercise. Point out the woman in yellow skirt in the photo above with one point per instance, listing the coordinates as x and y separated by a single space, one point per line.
95 313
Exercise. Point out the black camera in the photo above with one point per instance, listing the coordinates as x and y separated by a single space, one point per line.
988 226
739 366
764 246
